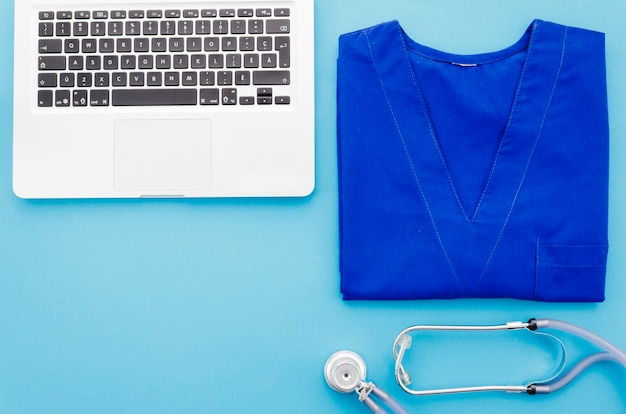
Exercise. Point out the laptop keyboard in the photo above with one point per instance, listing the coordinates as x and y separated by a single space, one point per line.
155 57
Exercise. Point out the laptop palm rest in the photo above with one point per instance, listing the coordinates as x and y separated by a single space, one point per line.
165 156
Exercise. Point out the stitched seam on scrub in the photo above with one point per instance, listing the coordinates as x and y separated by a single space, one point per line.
433 136
508 124
519 188
406 151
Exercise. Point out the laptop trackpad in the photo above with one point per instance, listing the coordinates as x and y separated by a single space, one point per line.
163 155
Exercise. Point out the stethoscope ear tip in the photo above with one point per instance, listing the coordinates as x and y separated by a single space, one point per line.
344 371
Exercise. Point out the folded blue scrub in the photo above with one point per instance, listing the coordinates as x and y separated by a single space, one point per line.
473 175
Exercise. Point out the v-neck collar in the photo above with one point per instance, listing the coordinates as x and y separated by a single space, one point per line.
544 55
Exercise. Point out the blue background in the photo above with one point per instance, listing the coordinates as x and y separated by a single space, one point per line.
211 306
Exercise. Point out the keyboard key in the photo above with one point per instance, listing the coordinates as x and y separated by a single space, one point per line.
50 45
116 28
154 97
203 27
233 60
271 77
52 63
46 29
99 97
154 79
198 61
79 98
101 80
124 45
154 14
269 60
168 28
80 28
82 14
282 100
185 27
93 63
163 61
159 44
150 27
44 98
141 44
111 62
119 79
284 51
181 62
229 96
224 78
101 14
75 63
242 77
128 62
146 62
172 79
62 98
66 80
207 78
190 79
220 27
64 15
106 45
63 28
89 46
211 44
136 79
238 27
136 14
133 28
246 43
209 13
264 44
46 15
281 12
255 26
47 80
84 80
227 12
277 26
263 12
209 96
98 28
177 44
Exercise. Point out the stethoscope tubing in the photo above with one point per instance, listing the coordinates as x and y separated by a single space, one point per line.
611 353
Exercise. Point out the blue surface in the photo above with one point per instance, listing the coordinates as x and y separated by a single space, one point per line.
211 306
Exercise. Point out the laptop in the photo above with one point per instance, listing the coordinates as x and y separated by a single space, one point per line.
118 99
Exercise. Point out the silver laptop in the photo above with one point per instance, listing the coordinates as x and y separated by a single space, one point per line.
163 99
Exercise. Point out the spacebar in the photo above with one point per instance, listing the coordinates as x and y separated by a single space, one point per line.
153 97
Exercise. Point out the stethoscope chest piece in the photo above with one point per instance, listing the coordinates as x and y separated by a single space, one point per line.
345 371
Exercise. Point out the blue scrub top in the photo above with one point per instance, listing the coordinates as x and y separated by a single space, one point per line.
473 175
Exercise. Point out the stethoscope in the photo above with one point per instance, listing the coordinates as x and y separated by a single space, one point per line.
345 371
